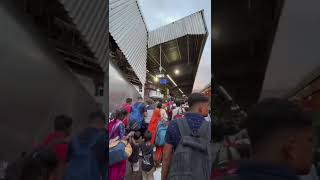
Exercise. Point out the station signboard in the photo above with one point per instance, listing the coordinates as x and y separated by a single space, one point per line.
163 81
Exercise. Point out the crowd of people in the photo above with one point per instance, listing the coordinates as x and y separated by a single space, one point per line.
62 157
278 143
141 127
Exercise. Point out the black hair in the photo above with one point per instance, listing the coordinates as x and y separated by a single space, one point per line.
140 98
122 113
94 116
196 98
136 135
159 105
129 100
41 163
178 103
62 122
273 115
147 136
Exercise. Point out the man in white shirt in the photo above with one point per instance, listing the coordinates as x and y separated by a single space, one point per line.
178 110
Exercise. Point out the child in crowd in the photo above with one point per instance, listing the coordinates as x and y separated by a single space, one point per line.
134 158
147 157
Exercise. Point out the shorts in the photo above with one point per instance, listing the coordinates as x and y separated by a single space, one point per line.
135 166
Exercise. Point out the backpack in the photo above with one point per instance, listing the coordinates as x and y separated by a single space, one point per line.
83 164
161 134
191 159
180 114
147 158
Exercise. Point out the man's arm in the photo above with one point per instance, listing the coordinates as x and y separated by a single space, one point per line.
167 155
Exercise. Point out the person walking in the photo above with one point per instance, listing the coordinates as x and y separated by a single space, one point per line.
88 152
186 152
127 107
156 117
164 122
117 132
147 158
178 111
137 115
149 109
57 141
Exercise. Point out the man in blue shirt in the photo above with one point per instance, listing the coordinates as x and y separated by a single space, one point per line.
88 151
137 115
199 108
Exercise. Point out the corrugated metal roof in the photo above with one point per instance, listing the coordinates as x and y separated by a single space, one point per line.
127 27
190 25
91 19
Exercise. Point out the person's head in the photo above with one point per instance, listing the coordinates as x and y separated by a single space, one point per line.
159 105
63 124
147 136
121 114
129 100
137 135
40 165
150 101
282 133
178 103
97 120
198 103
174 106
140 99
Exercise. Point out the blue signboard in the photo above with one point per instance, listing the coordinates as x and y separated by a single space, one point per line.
163 81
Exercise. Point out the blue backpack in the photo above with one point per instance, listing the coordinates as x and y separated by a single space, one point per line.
161 134
83 164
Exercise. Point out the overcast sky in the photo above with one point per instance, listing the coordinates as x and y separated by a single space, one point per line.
161 12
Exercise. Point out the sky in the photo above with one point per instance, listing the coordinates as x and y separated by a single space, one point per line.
162 12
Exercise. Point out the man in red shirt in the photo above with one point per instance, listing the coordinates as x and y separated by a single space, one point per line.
57 140
127 107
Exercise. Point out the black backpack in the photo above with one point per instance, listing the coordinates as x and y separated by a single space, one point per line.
191 159
147 157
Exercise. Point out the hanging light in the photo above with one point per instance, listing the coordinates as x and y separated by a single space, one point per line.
176 71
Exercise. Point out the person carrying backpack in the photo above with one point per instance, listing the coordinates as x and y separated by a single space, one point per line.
137 115
156 117
147 157
88 152
186 152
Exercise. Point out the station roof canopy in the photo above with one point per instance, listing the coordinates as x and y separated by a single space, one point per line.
294 67
178 46
89 19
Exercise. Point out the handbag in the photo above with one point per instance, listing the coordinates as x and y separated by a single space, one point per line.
119 150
